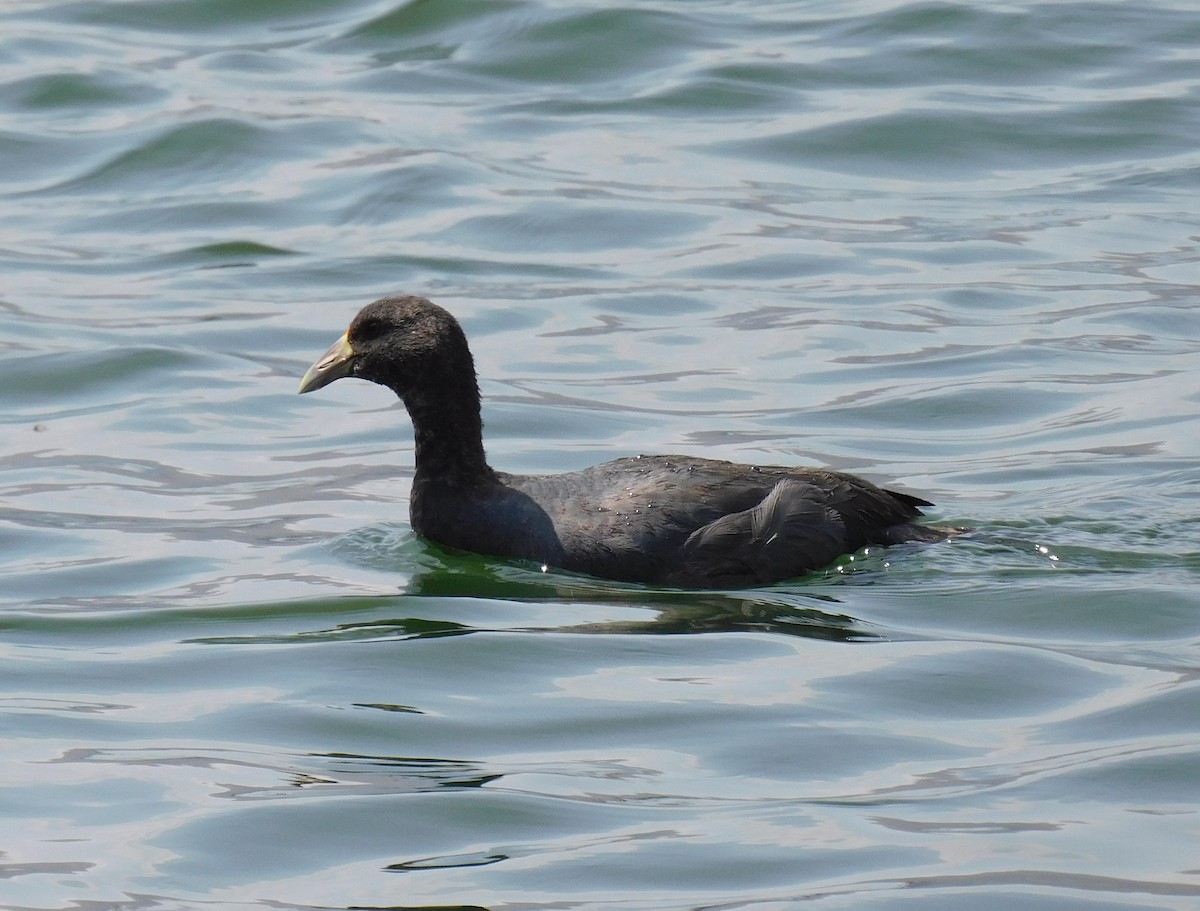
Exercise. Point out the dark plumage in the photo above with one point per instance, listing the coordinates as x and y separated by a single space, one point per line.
674 520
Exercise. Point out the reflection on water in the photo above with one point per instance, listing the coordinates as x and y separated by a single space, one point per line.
950 247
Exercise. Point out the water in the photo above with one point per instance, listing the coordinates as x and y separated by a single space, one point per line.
949 246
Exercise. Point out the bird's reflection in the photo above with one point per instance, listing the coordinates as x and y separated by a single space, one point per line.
792 612
433 572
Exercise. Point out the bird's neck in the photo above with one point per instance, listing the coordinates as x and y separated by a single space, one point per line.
448 432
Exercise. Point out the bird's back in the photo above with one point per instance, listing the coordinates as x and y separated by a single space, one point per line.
701 522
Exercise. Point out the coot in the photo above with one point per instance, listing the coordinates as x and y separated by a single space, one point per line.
665 520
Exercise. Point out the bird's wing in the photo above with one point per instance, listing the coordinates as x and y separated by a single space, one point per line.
791 529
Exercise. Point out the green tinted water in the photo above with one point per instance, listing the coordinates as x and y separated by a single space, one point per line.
947 246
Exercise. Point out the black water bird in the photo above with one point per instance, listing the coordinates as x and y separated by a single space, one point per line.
669 520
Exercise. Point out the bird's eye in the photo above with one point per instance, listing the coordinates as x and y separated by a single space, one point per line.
367 329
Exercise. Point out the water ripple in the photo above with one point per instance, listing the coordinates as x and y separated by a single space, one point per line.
949 246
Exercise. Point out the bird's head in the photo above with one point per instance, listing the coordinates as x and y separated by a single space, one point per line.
399 342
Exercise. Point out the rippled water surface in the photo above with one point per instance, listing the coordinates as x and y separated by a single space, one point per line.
950 246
